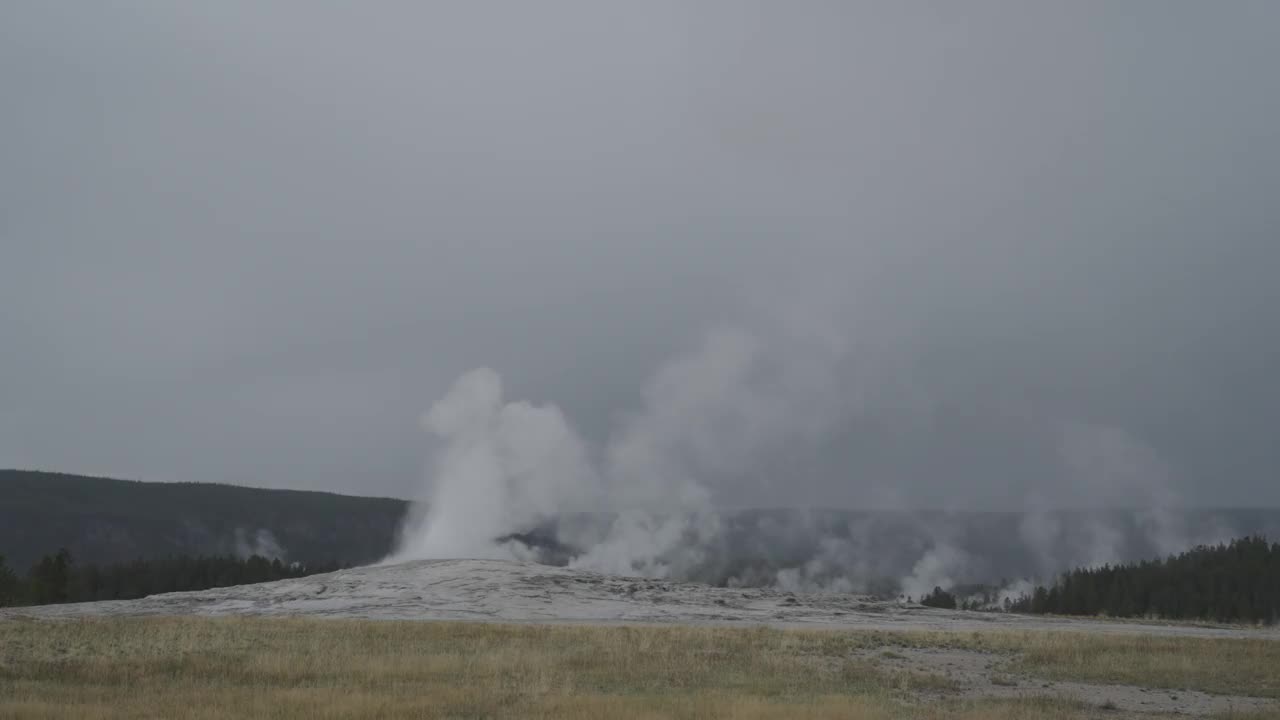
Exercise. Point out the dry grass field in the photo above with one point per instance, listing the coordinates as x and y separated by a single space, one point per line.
298 668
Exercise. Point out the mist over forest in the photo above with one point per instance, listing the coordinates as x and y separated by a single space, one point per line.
108 522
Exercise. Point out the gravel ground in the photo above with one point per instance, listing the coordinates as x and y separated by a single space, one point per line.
982 675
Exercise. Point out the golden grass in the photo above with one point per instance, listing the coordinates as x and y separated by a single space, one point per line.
316 669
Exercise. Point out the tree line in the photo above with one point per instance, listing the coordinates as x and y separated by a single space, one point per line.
1234 582
57 578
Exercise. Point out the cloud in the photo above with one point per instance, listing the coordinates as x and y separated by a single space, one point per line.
247 244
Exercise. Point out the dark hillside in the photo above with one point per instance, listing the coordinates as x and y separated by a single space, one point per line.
106 521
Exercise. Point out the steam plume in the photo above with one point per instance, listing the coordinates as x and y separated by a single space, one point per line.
514 480
509 467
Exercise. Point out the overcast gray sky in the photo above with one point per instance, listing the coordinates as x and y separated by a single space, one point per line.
254 242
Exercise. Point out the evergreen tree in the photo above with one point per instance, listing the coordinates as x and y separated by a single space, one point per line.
9 584
939 598
56 579
1236 582
50 580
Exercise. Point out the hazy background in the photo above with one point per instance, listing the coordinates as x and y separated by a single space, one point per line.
1027 250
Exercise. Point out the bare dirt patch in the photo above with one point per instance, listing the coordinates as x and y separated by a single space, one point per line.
493 590
977 675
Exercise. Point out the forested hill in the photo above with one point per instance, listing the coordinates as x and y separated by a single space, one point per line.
106 521
1234 582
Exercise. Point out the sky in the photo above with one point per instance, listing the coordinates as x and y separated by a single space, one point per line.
987 255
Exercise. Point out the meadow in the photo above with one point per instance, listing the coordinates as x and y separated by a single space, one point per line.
314 669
